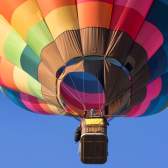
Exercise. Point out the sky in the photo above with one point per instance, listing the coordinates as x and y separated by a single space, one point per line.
30 140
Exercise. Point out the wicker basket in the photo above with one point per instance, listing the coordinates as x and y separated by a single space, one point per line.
94 141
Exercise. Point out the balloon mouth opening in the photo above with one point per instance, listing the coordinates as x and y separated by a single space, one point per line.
81 91
82 86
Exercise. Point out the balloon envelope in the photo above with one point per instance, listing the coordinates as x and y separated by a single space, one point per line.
68 57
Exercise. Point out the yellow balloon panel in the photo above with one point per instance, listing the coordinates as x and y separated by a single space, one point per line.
62 19
25 16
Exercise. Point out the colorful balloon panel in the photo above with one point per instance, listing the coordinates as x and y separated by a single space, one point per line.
14 78
26 19
31 103
159 103
128 16
70 56
94 13
150 43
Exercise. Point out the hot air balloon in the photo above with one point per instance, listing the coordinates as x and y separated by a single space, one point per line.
89 59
